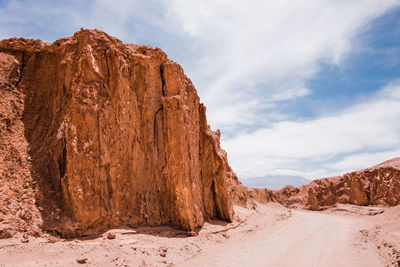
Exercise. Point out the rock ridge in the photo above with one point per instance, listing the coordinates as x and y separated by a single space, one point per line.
378 185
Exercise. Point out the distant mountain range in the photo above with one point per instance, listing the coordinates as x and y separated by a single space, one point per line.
274 182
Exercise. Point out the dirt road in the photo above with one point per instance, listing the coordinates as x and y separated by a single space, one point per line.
304 238
271 235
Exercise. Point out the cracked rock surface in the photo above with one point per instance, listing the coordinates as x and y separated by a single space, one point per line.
96 133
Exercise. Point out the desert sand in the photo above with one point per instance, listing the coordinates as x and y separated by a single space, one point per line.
270 235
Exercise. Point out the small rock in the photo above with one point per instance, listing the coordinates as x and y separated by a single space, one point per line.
110 236
81 261
163 251
5 234
192 233
25 240
52 239
36 234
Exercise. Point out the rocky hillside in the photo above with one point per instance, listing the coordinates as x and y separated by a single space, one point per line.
95 133
379 185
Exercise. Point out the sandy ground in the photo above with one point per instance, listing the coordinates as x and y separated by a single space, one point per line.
271 235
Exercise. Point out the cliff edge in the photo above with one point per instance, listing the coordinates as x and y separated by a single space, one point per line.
96 133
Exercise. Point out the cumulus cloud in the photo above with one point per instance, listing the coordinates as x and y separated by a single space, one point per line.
363 160
368 131
265 51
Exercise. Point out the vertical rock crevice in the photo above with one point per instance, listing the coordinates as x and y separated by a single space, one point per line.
21 69
107 67
62 162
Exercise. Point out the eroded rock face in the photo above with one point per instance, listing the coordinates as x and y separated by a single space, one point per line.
116 136
379 185
17 206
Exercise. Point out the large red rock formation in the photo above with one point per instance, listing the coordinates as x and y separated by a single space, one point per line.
107 134
379 185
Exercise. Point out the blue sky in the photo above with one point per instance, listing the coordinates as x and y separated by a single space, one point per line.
307 87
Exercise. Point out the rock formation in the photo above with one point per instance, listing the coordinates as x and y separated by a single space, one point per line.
96 133
379 185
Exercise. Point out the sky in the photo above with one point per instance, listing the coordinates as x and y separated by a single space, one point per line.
306 87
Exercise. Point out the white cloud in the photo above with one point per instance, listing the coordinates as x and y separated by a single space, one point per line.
290 93
265 51
373 125
363 160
